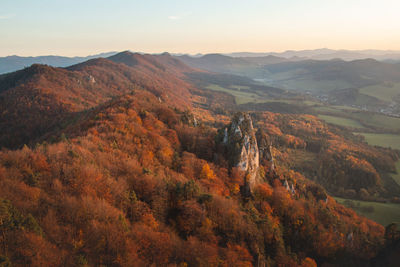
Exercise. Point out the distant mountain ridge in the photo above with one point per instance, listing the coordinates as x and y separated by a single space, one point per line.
337 81
14 63
257 67
326 54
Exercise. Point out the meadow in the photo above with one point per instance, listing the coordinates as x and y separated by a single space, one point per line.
241 97
383 213
396 176
351 117
384 92
383 140
377 120
341 121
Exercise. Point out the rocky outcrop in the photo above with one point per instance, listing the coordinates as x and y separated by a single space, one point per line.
189 119
90 79
265 150
241 146
289 187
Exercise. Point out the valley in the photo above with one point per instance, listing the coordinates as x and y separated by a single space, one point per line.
119 153
365 84
374 128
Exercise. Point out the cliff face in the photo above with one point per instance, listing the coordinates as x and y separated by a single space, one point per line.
265 150
242 149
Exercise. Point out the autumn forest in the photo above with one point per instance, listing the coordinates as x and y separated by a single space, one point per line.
130 161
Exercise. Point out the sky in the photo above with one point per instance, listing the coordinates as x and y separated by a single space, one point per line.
86 27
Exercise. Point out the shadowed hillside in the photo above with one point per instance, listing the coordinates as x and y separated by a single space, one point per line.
40 98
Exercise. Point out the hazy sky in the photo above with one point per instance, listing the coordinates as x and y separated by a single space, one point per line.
82 27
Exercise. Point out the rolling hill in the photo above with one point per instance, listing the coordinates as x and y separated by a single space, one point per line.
336 81
40 98
126 165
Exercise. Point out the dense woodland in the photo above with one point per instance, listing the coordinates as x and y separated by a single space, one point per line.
340 161
115 162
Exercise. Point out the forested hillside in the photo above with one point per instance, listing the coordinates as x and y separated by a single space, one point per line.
119 162
38 99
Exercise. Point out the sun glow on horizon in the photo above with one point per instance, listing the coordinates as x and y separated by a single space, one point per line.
79 28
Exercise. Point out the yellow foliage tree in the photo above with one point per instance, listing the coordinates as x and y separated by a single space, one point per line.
206 172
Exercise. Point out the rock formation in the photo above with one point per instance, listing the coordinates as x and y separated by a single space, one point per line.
265 150
189 119
241 147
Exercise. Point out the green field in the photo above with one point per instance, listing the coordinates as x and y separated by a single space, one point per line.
377 120
310 103
384 92
396 177
296 81
367 119
241 97
346 108
336 110
341 121
383 140
383 213
329 109
240 87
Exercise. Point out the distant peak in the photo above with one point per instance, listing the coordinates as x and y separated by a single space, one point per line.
91 62
127 54
124 53
38 68
126 57
365 60
214 55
